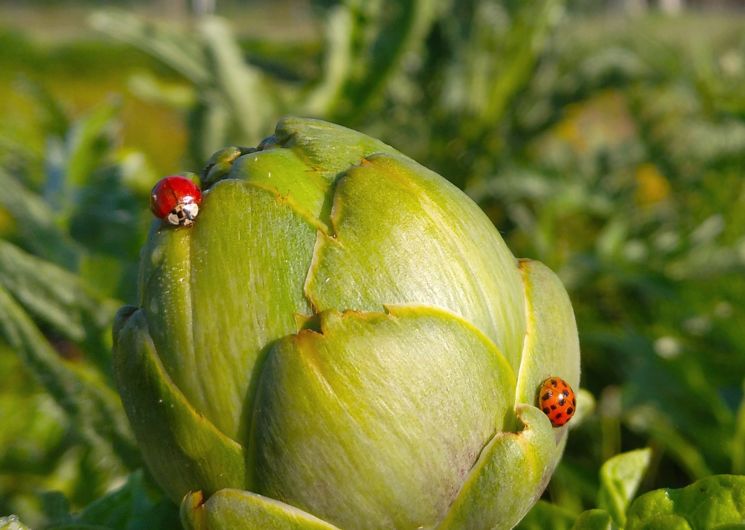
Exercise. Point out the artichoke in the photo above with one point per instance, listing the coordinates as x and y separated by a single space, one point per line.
341 339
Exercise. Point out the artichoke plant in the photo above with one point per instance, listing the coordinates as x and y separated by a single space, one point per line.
341 339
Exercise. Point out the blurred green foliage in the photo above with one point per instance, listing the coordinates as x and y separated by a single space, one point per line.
612 148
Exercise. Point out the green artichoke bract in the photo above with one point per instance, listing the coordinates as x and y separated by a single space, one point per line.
342 340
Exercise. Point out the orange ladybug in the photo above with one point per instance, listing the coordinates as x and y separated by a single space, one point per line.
557 400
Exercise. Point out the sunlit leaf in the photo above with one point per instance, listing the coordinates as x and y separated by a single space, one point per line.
620 477
714 502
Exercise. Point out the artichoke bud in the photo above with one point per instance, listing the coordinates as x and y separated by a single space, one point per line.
342 339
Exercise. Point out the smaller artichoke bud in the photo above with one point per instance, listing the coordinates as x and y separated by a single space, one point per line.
343 340
220 164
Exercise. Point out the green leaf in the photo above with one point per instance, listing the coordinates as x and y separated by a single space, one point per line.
337 62
242 510
92 405
243 88
74 524
495 51
36 223
620 477
211 124
34 436
712 502
379 39
108 218
508 477
738 444
528 32
181 447
544 516
595 519
179 51
131 507
378 417
60 300
236 102
53 295
56 507
52 114
88 142
365 45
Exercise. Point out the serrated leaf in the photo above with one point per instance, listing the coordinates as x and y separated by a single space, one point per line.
52 294
92 406
242 86
379 37
36 223
178 51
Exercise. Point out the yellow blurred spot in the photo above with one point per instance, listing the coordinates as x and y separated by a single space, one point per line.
651 185
569 130
597 124
7 223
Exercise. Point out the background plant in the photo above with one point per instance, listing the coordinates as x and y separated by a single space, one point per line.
609 147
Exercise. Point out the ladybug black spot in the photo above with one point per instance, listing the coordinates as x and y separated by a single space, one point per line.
553 407
557 415
570 411
546 396
546 410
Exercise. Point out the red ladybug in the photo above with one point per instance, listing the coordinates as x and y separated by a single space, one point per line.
176 199
557 400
